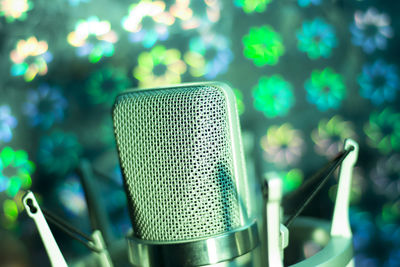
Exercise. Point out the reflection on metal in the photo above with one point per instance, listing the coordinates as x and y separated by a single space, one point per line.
212 250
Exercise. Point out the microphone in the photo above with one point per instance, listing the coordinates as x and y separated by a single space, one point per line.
184 173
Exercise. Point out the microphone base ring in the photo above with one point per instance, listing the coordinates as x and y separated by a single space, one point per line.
199 252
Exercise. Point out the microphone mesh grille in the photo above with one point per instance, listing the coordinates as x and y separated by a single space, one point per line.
176 156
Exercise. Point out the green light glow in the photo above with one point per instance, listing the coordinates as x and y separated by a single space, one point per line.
273 96
263 45
291 180
17 169
383 130
325 89
10 210
250 6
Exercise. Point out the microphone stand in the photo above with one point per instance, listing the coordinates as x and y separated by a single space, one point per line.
95 242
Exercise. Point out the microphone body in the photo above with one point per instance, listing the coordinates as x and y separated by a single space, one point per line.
183 166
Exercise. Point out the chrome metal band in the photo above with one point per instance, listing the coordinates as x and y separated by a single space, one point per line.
194 253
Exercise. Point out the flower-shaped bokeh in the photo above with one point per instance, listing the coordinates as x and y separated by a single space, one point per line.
304 3
316 38
273 96
15 176
147 22
14 9
330 135
386 176
7 123
325 89
282 145
160 66
15 171
379 82
105 84
30 58
208 56
59 152
250 6
371 30
263 45
199 14
93 38
45 106
383 130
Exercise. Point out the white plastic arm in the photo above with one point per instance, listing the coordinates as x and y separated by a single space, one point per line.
34 211
277 234
340 221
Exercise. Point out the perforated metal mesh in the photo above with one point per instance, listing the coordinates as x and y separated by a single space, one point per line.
176 155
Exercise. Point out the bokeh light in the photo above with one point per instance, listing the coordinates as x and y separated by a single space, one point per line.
148 22
44 106
291 180
371 30
15 171
59 152
282 145
15 175
105 84
196 14
263 45
325 89
250 6
305 3
316 38
72 196
159 67
383 130
14 9
386 176
7 123
93 38
379 82
77 2
273 96
363 227
208 56
330 135
30 58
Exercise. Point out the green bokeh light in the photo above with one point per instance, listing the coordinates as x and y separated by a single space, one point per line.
17 169
325 89
263 45
383 130
250 6
273 96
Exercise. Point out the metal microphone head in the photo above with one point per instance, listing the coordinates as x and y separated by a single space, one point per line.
181 157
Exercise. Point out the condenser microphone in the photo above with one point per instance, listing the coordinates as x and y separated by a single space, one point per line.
184 173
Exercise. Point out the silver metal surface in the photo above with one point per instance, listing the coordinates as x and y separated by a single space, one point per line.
207 251
181 157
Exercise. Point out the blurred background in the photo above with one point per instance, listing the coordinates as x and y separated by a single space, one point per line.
307 74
